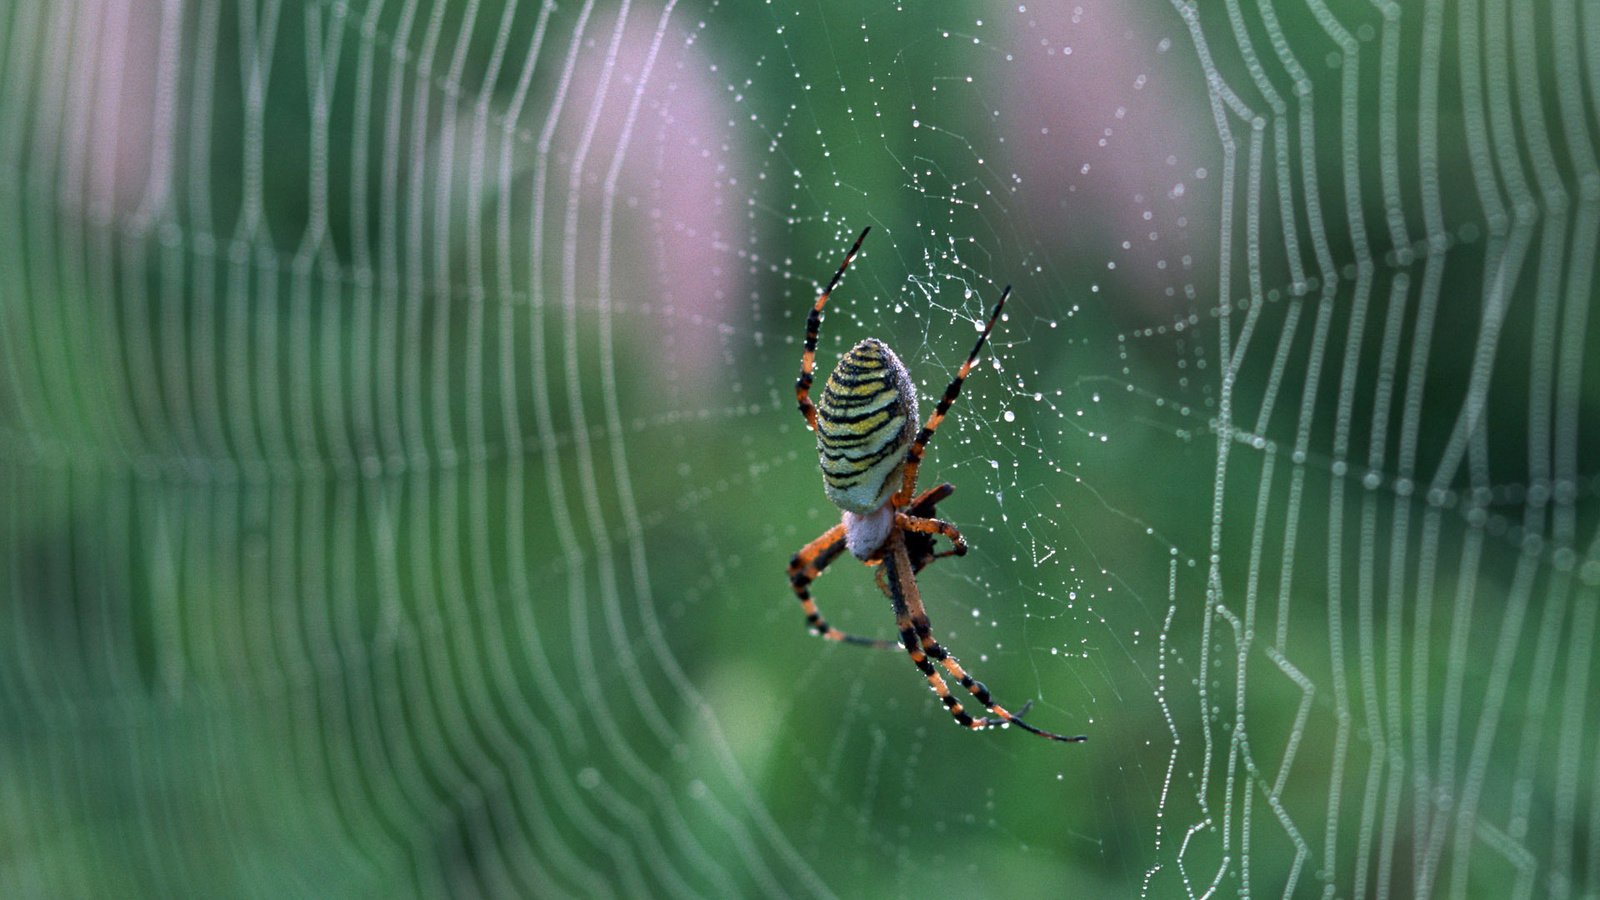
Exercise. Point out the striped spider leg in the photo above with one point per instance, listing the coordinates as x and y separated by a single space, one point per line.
916 634
808 358
807 564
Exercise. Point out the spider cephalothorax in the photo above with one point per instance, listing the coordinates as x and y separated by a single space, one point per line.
869 450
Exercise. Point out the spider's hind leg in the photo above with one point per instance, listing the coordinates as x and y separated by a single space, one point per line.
919 446
808 358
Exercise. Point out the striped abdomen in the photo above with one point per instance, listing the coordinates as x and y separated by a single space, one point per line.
866 418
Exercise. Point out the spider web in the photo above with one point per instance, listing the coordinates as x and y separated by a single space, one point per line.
400 459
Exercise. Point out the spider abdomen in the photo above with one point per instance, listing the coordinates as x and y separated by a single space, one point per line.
866 420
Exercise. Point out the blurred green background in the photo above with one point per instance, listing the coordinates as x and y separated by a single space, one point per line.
401 465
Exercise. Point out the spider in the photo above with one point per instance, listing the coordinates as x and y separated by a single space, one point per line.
870 449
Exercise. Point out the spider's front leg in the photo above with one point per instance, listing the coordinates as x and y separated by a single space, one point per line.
921 526
804 568
916 634
919 546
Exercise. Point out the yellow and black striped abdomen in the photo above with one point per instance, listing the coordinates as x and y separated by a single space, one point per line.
866 418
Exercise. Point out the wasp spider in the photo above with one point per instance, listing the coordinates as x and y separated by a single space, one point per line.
870 448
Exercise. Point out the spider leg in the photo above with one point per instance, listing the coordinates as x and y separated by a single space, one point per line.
908 639
804 568
808 359
917 636
918 446
920 546
923 564
922 506
933 526
920 562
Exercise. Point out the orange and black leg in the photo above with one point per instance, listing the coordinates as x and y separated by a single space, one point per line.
923 506
808 359
900 585
919 543
916 634
931 527
804 568
920 547
918 446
